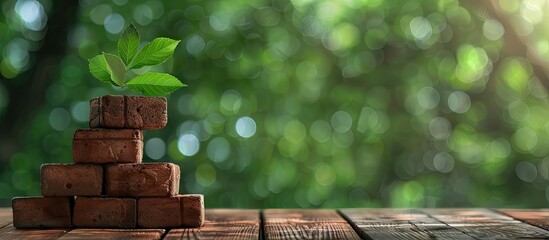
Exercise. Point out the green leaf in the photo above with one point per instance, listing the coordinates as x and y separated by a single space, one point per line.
154 52
128 43
98 68
116 68
155 84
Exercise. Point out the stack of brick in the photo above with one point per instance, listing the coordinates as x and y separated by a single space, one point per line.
108 186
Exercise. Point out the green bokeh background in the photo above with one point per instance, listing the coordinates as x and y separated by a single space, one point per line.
301 103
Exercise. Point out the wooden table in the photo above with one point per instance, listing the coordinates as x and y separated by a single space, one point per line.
325 224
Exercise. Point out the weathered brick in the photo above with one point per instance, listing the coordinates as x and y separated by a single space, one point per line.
146 112
71 179
142 180
159 212
101 146
192 210
42 212
97 212
94 112
137 112
107 111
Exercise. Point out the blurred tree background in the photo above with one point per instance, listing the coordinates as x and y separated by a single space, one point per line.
300 103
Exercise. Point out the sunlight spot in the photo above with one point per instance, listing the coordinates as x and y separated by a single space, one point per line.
492 29
526 171
421 28
245 127
459 102
114 23
155 148
32 13
188 144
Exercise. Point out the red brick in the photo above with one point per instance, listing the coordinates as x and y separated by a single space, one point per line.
71 179
101 146
159 212
142 180
192 210
42 212
137 112
107 111
96 212
94 113
146 112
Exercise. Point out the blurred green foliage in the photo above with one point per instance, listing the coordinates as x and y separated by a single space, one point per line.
302 103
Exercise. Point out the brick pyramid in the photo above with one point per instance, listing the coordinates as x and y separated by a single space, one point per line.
108 186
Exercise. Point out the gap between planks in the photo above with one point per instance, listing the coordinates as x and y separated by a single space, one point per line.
438 223
536 217
294 224
399 224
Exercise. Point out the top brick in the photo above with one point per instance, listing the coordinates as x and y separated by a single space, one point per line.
134 112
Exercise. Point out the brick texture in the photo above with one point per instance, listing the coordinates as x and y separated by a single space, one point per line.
107 112
42 212
142 180
192 210
71 179
101 146
137 112
159 212
96 212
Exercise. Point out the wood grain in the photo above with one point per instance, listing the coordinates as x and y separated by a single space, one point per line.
487 224
306 224
536 217
399 224
10 232
222 224
326 224
120 234
6 216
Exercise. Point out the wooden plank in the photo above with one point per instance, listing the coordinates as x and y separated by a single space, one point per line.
536 217
10 232
306 224
6 216
399 224
83 233
222 224
486 224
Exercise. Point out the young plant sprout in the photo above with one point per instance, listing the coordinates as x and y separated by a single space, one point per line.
111 68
